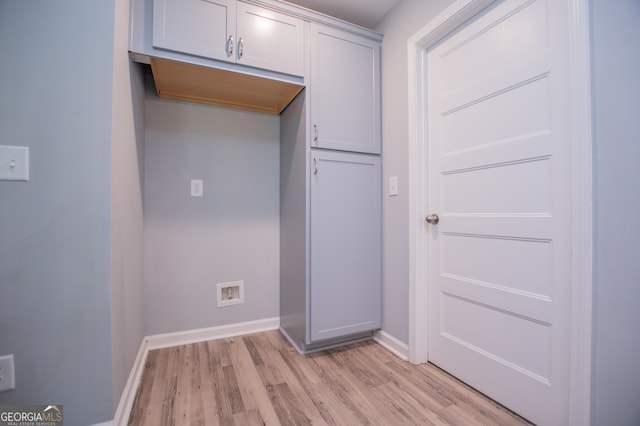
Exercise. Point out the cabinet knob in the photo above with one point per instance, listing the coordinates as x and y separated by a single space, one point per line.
230 45
240 48
315 133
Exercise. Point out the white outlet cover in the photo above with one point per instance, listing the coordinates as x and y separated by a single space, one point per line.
197 188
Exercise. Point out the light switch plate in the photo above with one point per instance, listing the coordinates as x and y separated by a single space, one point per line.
14 163
7 373
393 186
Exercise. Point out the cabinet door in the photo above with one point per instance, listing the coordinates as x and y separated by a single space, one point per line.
345 91
346 283
270 40
197 27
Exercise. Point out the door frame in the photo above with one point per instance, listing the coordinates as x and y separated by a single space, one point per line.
581 191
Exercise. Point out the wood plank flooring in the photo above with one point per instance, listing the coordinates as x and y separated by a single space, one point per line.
260 379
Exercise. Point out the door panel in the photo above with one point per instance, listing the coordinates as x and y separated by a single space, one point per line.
506 117
498 176
491 46
519 254
529 340
516 187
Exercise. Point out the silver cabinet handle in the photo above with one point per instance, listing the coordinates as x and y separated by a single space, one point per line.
230 45
240 48
315 166
315 133
433 219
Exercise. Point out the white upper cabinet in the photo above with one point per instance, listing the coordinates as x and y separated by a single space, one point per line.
198 27
270 40
230 31
345 91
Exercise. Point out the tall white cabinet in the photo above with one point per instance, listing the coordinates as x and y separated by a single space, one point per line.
345 244
330 196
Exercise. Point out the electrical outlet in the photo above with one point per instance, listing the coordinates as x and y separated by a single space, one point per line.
197 188
7 374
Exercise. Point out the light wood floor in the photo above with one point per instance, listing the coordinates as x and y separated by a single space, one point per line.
260 380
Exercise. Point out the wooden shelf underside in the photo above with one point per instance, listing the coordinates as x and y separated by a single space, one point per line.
194 83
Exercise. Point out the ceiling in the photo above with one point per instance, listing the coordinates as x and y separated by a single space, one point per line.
366 13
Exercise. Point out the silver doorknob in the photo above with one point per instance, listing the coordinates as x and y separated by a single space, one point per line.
433 219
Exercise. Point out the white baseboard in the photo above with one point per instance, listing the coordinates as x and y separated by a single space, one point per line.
393 345
131 387
159 341
166 340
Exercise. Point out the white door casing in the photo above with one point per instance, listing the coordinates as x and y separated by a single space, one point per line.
568 205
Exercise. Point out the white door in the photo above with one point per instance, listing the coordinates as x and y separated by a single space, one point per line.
498 178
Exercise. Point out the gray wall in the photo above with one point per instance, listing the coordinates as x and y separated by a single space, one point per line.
127 241
230 234
402 22
55 97
616 124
